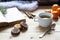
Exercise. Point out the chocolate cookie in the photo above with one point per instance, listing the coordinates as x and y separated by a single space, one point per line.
15 32
24 26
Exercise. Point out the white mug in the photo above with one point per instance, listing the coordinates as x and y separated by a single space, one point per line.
44 22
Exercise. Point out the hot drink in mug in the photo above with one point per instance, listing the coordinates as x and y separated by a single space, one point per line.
44 19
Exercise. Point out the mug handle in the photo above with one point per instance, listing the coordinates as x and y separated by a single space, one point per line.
36 19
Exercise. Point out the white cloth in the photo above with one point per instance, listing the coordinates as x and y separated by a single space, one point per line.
20 5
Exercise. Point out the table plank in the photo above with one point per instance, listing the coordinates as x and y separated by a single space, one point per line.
33 32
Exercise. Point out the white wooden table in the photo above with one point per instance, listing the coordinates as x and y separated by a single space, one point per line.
33 32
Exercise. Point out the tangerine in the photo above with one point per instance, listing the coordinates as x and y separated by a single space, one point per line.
55 7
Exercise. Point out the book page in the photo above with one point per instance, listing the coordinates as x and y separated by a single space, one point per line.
13 14
2 18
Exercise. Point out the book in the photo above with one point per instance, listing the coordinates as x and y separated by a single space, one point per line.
13 15
3 21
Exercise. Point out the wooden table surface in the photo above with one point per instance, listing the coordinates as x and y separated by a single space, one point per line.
33 32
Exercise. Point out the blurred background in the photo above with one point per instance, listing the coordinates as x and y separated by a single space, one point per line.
41 2
48 2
